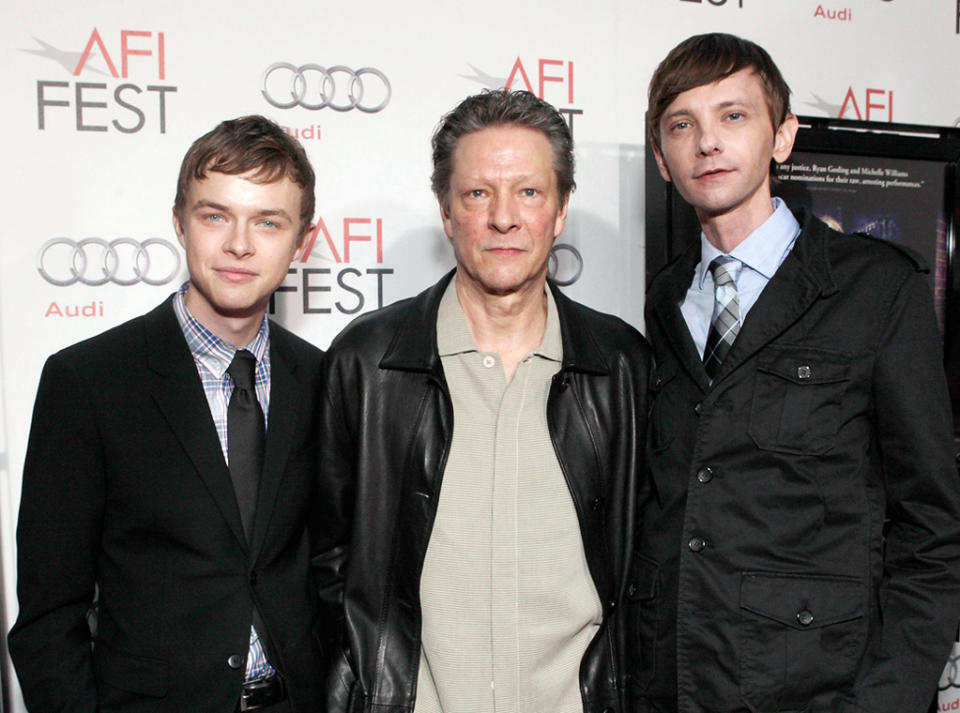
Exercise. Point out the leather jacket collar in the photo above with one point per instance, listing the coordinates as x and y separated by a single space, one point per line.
414 344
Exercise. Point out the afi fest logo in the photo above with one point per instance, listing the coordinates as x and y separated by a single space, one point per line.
863 105
340 288
549 79
129 93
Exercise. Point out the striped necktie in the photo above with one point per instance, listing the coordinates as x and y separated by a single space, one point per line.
725 324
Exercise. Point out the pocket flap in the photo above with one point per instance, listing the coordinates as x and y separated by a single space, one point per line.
799 601
137 674
805 365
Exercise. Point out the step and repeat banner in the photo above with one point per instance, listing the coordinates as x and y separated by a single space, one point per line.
102 99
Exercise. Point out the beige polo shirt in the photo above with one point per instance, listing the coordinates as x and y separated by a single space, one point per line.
508 603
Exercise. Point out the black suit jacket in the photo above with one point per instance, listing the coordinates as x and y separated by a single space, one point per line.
126 497
800 545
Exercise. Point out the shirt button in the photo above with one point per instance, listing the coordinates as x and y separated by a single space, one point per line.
805 617
705 474
697 544
235 661
489 362
697 408
804 372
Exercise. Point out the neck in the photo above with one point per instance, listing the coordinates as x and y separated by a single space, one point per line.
511 325
236 330
725 231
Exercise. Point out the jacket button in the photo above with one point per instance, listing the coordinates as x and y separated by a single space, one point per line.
632 591
697 544
253 578
698 408
805 617
705 474
597 503
608 710
235 661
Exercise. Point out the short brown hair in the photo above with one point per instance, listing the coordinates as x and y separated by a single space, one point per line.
502 107
250 143
705 59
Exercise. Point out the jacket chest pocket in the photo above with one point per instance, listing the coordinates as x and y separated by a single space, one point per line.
797 399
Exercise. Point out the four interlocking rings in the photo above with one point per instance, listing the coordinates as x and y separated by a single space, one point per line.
570 275
106 266
322 91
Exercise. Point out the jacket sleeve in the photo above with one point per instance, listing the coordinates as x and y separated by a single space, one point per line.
330 538
921 579
58 538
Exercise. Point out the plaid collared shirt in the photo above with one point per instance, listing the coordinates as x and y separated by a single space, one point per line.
212 356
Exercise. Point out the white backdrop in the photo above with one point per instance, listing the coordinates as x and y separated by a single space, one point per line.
102 100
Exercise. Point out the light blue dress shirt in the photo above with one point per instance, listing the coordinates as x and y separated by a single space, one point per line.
761 254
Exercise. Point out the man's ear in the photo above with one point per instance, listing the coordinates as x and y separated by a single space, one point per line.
178 228
784 138
444 203
302 243
661 164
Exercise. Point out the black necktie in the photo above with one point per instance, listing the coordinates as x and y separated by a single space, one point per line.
245 437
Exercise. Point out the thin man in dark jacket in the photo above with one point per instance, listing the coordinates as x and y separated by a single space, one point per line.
801 539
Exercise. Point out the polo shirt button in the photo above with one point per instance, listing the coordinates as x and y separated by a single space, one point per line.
235 661
489 362
697 544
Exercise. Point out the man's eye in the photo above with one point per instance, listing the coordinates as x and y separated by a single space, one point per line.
735 115
476 193
213 217
530 192
680 125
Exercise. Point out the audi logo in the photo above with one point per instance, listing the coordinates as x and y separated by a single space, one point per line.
565 264
95 261
313 87
951 674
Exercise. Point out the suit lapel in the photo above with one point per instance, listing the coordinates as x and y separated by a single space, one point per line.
178 393
786 297
803 277
284 415
665 304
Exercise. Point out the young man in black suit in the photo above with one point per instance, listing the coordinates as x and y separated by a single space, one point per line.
800 545
170 468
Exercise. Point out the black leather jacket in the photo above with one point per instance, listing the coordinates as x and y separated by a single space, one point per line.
387 421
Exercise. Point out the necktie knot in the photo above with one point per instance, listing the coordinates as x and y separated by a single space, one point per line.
242 370
724 270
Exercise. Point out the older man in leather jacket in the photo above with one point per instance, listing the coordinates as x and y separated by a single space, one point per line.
483 445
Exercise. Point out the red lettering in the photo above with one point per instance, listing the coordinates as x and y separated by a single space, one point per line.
518 65
545 78
95 39
849 98
312 239
126 51
349 237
